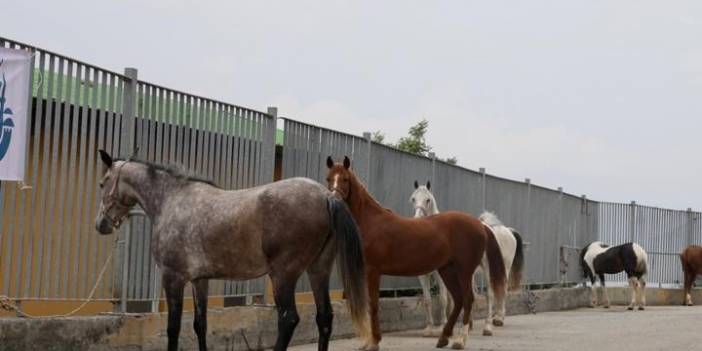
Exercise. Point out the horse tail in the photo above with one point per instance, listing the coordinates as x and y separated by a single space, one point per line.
641 259
515 273
683 262
351 263
496 265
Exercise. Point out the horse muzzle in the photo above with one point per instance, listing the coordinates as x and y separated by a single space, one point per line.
103 226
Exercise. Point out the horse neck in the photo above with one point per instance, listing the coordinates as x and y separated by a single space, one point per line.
361 202
149 191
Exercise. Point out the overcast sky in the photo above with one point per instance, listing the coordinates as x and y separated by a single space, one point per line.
603 98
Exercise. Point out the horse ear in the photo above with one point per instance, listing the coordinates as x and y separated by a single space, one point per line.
330 162
428 185
347 162
106 158
416 184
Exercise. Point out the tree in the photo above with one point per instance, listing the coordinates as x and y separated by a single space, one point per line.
415 142
378 137
451 160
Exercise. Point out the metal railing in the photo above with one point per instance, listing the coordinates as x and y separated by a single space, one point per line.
50 252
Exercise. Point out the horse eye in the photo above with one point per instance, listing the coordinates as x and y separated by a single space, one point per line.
101 185
428 200
412 200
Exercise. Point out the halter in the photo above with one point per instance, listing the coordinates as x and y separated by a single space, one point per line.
112 200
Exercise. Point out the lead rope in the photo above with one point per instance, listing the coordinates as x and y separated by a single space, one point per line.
7 304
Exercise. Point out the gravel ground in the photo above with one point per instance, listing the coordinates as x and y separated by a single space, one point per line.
656 328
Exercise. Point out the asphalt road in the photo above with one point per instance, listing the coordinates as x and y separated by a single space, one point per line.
656 328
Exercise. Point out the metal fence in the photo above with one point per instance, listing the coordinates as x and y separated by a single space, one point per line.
49 250
663 233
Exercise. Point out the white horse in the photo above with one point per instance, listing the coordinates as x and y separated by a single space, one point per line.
512 253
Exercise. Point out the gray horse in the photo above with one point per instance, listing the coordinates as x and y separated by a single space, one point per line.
202 232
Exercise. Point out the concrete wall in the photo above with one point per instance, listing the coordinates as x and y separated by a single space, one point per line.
233 328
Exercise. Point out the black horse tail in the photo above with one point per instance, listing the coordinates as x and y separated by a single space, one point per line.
496 265
515 273
351 264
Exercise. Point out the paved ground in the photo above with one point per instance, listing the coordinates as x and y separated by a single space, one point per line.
656 328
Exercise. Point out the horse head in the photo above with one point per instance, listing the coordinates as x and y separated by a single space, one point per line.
423 200
115 202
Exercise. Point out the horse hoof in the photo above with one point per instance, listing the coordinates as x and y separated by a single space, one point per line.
457 345
487 332
443 341
690 304
428 332
606 306
630 308
641 308
498 323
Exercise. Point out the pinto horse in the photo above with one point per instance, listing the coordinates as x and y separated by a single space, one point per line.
511 247
598 259
691 259
202 232
451 242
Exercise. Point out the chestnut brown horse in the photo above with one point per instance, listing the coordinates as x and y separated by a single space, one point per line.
691 259
451 242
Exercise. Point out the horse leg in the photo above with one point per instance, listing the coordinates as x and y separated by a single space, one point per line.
593 292
373 283
634 287
425 282
325 313
174 285
461 340
489 300
200 288
450 278
284 293
605 296
642 287
443 297
318 273
499 319
687 298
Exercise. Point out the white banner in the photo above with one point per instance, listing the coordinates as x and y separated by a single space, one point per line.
15 72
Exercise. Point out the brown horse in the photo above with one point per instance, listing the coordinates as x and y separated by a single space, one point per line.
451 242
691 259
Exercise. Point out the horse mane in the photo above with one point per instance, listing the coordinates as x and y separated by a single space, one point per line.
361 189
175 171
490 219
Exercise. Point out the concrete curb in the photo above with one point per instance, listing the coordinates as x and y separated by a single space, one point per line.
255 327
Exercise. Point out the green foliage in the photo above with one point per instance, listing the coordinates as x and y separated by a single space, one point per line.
415 142
451 160
378 137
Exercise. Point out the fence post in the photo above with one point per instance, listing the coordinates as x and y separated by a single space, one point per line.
559 229
584 212
690 225
483 187
129 103
527 181
369 143
632 221
269 140
432 156
121 272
